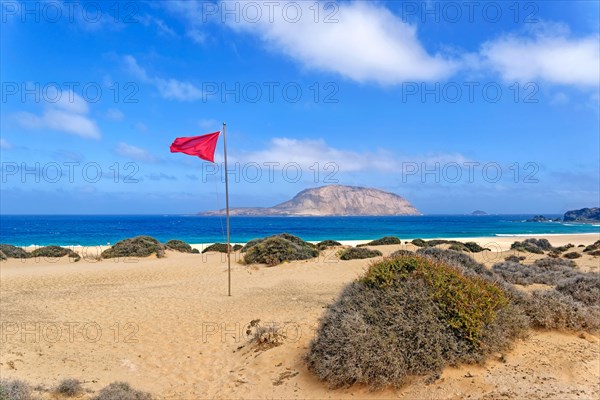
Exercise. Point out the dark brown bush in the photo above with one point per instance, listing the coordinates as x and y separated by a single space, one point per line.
572 255
358 253
592 247
140 246
515 259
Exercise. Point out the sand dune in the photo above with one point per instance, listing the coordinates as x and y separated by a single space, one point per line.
168 327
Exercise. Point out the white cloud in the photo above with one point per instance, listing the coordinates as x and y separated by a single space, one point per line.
114 115
68 114
134 153
307 152
5 145
209 124
162 27
367 43
548 54
171 89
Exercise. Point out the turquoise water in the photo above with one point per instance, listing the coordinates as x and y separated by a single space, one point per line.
99 230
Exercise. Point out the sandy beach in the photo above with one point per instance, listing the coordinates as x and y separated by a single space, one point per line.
168 327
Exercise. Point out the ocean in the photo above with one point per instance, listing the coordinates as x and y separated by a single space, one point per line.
88 230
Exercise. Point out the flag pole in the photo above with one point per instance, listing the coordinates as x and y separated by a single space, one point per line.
227 210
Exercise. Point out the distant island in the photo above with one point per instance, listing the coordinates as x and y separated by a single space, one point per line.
583 215
333 200
479 212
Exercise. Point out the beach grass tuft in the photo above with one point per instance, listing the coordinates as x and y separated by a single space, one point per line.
358 253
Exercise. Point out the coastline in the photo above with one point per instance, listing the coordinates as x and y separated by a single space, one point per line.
499 241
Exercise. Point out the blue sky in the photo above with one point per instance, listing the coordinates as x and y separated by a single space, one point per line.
454 106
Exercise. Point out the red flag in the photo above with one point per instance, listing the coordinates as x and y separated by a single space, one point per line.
201 146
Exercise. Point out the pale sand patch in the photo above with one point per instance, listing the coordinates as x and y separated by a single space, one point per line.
168 327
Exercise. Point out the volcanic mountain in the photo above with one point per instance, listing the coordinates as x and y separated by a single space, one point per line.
333 200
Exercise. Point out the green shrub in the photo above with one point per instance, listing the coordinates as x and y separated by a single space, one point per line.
572 255
2 256
277 249
561 249
11 251
356 253
15 390
383 241
121 391
180 246
547 271
411 315
515 259
69 387
55 251
140 246
327 243
584 288
237 247
250 244
286 236
471 247
217 247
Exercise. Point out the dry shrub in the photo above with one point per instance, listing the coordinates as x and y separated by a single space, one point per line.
551 309
411 316
455 258
584 288
55 251
15 390
402 252
359 253
180 246
470 247
2 256
140 246
237 247
594 253
264 336
121 391
69 387
515 259
547 271
592 247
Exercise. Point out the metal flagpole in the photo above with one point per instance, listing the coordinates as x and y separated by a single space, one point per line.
227 210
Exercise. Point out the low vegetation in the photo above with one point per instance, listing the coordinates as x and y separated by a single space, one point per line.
411 315
54 251
325 244
515 259
15 390
357 253
547 271
401 252
592 247
584 288
181 246
551 309
3 256
69 387
140 246
536 246
121 391
383 241
217 247
276 249
572 255
11 251
470 247
454 258
237 247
